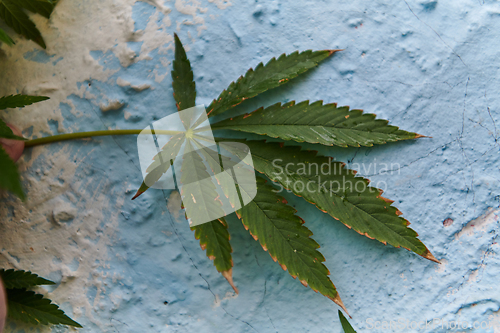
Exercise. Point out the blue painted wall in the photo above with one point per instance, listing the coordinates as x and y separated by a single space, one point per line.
427 66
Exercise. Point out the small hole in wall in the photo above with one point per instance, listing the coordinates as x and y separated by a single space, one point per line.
166 303
447 222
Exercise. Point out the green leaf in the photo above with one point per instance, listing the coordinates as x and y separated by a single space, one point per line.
272 222
6 132
317 123
21 279
9 176
275 73
161 162
18 101
33 308
214 239
202 199
42 7
335 190
185 96
197 190
182 75
345 324
17 19
5 38
222 167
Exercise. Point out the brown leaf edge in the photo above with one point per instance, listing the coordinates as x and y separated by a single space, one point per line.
427 254
228 275
335 299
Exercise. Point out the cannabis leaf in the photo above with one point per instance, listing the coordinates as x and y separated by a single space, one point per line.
161 162
345 324
28 306
42 7
268 217
11 11
6 132
185 97
337 192
17 101
274 224
9 176
182 75
275 73
321 123
213 236
17 19
5 38
202 196
21 279
214 239
33 308
198 194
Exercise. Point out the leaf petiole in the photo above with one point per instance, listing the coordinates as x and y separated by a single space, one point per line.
84 135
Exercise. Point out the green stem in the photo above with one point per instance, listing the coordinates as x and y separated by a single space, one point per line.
83 135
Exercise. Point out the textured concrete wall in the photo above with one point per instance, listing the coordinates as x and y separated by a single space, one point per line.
427 66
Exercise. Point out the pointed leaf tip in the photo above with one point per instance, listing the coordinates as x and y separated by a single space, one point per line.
19 101
339 302
334 51
430 256
32 308
229 277
139 192
182 78
214 239
22 279
143 188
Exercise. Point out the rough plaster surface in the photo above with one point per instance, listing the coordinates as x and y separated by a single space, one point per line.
134 266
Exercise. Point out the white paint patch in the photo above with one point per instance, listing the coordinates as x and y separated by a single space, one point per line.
42 245
112 106
192 10
218 301
63 211
221 4
480 224
123 83
442 267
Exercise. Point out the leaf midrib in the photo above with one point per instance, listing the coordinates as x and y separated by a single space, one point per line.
298 125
